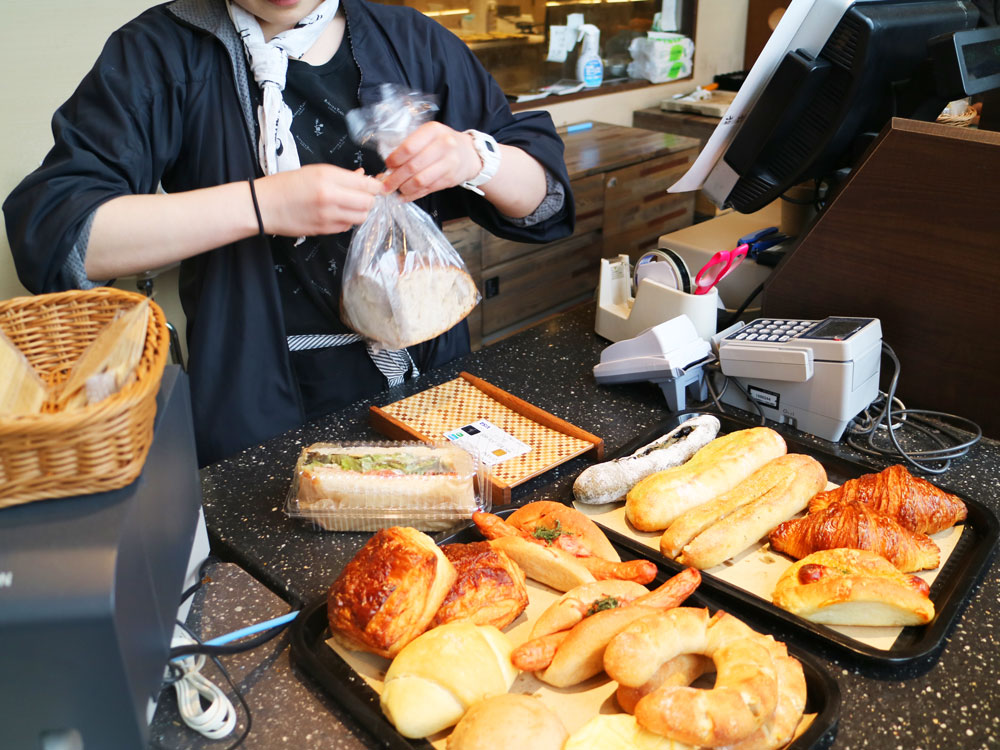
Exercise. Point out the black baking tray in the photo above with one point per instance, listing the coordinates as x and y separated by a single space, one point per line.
916 646
310 631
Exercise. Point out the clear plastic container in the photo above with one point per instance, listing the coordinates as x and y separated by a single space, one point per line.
369 486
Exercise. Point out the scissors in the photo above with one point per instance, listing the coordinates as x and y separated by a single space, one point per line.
762 240
718 267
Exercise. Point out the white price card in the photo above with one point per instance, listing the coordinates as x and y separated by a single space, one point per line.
489 442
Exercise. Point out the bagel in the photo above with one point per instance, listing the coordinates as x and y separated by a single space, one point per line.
683 669
746 687
779 729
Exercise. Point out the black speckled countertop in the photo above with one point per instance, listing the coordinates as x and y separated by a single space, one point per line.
952 701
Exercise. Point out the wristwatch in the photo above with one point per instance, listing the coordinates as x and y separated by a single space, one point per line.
489 152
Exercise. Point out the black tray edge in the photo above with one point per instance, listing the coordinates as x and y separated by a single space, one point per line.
924 641
346 687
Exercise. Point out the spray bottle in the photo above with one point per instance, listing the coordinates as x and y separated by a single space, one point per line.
589 67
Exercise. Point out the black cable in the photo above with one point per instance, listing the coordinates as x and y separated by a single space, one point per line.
229 648
746 303
917 421
202 572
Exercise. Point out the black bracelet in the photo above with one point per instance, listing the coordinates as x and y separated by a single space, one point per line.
256 207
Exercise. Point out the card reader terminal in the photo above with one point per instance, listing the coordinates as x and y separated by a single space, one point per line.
816 375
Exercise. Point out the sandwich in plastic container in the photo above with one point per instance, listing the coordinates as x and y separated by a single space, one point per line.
370 486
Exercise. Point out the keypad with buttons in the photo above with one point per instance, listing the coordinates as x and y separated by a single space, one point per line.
771 329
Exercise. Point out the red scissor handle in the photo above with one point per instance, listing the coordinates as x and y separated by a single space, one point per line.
718 267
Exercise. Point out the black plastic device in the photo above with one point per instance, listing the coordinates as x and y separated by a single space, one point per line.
817 114
967 62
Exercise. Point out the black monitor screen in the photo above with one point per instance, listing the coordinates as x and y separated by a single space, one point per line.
836 329
982 59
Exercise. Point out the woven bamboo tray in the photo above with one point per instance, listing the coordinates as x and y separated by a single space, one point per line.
86 449
429 414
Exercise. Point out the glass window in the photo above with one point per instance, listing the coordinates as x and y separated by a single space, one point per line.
511 38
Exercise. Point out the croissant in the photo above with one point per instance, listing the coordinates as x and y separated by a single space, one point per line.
857 526
916 503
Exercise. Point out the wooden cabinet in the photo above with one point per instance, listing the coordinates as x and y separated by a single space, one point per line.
619 178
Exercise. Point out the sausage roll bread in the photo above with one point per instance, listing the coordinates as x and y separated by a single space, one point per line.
853 587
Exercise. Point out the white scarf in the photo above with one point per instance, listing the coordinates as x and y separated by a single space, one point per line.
269 64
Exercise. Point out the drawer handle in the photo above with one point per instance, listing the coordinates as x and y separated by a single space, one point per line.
612 182
491 287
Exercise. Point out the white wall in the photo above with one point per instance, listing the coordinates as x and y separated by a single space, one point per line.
47 46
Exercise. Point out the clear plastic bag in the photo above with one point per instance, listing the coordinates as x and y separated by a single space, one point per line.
403 281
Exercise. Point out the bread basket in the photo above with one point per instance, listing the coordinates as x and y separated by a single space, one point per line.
85 449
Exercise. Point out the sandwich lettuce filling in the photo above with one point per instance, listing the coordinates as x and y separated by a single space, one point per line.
381 463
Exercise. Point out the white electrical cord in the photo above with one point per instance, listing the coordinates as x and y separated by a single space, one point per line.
217 720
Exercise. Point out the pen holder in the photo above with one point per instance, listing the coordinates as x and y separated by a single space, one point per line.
621 316
656 303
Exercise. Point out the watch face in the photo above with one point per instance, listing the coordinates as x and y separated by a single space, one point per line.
489 145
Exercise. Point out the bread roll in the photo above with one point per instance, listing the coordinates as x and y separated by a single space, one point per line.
852 587
389 593
434 680
511 721
610 481
655 502
790 481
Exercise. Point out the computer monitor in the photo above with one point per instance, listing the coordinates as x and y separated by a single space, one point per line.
830 77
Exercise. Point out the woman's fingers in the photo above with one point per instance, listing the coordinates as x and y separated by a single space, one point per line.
316 199
432 158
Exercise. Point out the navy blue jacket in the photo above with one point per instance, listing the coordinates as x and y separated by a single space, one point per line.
168 103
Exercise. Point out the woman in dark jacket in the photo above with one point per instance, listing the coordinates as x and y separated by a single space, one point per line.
177 100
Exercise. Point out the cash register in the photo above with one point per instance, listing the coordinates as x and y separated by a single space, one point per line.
90 588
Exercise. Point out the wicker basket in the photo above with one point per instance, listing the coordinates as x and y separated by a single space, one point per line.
85 449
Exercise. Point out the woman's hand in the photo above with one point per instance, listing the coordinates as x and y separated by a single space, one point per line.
315 199
432 158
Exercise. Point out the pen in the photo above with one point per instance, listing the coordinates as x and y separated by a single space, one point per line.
579 126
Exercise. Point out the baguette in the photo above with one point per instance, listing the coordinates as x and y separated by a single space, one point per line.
655 502
610 481
774 494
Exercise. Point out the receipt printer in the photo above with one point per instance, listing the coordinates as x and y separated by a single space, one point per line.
89 590
815 375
